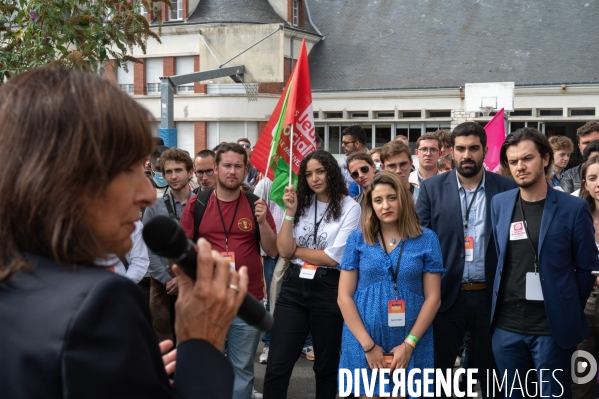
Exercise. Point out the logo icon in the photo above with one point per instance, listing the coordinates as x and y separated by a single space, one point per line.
244 224
584 364
518 227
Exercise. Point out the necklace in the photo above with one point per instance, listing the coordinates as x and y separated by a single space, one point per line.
392 241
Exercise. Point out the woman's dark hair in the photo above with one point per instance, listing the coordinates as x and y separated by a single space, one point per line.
584 193
527 133
66 135
335 186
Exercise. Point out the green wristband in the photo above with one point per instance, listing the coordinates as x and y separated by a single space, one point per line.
413 339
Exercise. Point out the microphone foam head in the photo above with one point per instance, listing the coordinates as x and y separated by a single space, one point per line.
164 237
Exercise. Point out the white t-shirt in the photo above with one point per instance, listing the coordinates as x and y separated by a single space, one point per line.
330 236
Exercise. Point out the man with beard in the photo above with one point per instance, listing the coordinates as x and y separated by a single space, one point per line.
175 167
457 206
546 253
230 226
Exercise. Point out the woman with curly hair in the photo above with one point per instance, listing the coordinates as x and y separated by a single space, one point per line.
318 220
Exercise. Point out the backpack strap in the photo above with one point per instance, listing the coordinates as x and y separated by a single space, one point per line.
198 212
169 206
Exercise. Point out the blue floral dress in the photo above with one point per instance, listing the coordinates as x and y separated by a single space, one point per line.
375 289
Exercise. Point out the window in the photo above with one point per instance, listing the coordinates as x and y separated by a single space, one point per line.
385 114
521 112
359 114
153 74
551 112
582 112
176 11
315 114
184 66
125 79
411 114
333 115
295 13
439 114
142 10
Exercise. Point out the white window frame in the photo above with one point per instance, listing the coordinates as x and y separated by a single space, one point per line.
295 16
176 13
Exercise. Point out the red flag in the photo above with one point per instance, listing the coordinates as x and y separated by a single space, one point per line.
495 137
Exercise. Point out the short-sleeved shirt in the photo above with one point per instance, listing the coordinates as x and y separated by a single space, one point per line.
332 235
242 237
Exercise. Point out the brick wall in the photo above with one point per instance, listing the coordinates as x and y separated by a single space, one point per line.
200 134
185 9
197 86
110 71
139 78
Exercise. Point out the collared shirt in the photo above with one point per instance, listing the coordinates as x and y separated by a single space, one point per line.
416 178
554 180
474 271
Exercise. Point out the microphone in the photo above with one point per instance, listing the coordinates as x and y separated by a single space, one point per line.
166 238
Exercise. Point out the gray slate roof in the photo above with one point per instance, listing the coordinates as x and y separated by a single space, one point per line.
446 43
235 11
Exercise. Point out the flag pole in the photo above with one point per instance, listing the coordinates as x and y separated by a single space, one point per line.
291 157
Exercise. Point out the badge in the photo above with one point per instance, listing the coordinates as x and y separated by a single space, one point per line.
469 248
517 231
534 292
397 313
229 257
308 271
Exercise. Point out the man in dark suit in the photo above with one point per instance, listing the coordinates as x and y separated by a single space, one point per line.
456 205
546 253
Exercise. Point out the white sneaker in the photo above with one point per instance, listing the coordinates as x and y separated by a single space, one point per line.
308 351
264 356
256 394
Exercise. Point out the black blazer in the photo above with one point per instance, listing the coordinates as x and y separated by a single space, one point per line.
439 209
83 332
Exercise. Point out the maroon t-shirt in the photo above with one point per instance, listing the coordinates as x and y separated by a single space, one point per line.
242 237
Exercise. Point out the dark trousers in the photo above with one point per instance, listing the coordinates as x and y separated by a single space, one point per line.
305 305
471 312
543 366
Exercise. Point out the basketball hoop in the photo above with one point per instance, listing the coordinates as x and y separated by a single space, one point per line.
251 90
486 110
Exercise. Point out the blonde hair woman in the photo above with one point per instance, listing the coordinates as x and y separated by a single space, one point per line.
390 284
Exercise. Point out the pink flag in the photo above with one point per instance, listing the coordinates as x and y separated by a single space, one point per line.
495 137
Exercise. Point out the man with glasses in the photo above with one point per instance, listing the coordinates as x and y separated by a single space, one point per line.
353 139
252 177
457 206
204 170
396 158
428 151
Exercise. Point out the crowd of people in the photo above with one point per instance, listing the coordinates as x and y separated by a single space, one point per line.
372 263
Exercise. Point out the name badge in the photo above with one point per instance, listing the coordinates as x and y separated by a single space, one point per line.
517 231
469 248
308 271
229 257
397 313
534 292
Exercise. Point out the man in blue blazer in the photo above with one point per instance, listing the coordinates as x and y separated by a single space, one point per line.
456 205
546 252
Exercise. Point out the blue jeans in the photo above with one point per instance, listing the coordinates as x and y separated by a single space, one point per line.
242 343
269 268
518 352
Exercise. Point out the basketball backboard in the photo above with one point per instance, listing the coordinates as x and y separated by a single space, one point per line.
258 47
492 96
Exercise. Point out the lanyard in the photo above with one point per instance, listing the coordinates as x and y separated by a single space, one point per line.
528 236
222 219
317 225
395 272
470 206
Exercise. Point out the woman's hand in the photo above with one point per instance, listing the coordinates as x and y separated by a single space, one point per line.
401 356
168 358
206 307
375 358
290 200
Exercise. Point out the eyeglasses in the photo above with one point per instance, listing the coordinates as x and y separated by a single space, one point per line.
344 143
402 165
364 169
200 173
426 150
245 145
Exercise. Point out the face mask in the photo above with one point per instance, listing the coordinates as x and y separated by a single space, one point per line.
159 180
378 166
